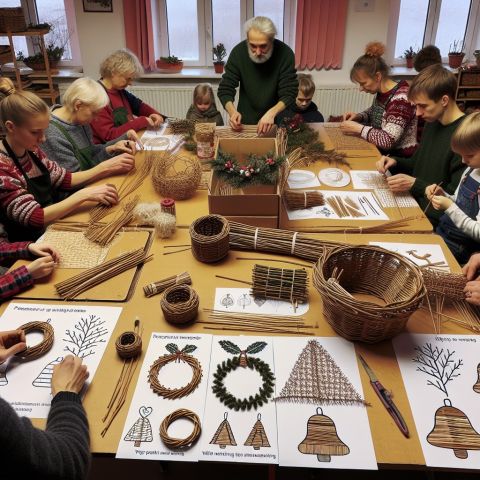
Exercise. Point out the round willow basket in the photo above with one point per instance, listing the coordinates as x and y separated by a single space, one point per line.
210 236
179 304
395 281
177 177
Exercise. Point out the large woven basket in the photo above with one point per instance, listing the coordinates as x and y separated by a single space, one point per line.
395 282
179 304
210 236
12 20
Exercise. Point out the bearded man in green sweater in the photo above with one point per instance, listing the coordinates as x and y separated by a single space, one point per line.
433 93
265 69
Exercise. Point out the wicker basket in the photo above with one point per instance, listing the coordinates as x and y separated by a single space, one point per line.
469 79
179 304
389 277
12 20
210 236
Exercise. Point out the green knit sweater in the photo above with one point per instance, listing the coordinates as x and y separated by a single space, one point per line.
262 85
433 162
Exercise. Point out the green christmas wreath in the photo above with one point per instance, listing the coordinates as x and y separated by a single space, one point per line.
223 369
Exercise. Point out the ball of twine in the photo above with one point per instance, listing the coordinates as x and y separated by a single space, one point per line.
165 225
186 442
31 353
176 176
179 304
210 237
129 345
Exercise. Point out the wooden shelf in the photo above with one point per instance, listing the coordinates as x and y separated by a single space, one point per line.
463 89
27 33
469 87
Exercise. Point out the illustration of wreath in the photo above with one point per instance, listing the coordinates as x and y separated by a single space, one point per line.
224 368
175 355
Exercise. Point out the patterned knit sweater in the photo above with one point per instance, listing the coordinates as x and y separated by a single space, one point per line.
15 201
398 133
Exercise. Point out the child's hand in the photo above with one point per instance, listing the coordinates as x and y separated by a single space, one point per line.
472 267
41 267
441 203
432 190
43 250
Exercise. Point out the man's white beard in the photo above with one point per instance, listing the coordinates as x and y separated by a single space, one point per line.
262 58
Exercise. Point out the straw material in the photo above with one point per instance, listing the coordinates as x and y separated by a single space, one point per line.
210 238
176 176
448 285
158 287
31 353
389 277
176 443
179 304
299 199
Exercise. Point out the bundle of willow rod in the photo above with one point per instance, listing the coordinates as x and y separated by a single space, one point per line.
181 125
251 322
176 443
246 237
130 362
103 234
31 353
210 238
179 304
374 271
469 316
130 183
247 131
447 285
78 284
158 287
280 283
299 200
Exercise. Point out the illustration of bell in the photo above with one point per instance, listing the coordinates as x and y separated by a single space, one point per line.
227 300
476 387
453 430
322 439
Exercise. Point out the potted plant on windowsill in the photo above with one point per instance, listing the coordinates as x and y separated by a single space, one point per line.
409 55
456 54
219 53
37 61
170 64
476 54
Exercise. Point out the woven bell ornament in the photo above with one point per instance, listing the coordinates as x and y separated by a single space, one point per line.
322 439
453 430
476 386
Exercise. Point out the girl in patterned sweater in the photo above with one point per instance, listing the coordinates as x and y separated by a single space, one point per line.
390 123
30 182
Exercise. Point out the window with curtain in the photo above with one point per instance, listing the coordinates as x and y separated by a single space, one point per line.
189 29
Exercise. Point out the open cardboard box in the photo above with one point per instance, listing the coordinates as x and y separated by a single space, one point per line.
257 205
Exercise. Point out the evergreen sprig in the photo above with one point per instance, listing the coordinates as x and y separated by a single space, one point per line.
301 134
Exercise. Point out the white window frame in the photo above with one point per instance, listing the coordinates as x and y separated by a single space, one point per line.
205 28
431 25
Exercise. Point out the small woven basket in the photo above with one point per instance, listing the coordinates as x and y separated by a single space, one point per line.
210 236
179 304
389 277
12 20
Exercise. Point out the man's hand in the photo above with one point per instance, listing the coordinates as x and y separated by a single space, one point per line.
236 121
69 375
11 342
400 182
266 123
471 268
351 128
385 163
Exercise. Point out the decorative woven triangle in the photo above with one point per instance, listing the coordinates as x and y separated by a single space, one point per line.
257 437
224 435
316 378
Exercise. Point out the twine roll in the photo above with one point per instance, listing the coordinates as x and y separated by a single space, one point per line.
158 287
31 353
129 345
179 304
210 237
175 443
168 206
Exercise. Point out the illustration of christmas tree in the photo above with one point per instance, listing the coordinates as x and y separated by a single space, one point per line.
224 435
257 437
86 336
141 430
44 379
316 378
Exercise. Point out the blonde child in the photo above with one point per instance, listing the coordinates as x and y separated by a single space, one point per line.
459 226
203 108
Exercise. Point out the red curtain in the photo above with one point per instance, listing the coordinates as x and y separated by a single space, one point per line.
320 33
137 16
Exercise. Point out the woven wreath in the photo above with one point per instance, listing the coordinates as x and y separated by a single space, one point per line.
224 368
174 356
36 351
261 170
186 442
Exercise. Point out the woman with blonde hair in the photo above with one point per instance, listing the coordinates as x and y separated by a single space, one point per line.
390 123
69 138
124 110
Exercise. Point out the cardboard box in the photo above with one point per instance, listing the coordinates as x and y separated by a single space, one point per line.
257 205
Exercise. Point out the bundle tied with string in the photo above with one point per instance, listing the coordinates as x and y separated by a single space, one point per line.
210 238
301 199
176 176
152 214
395 283
158 287
179 304
36 351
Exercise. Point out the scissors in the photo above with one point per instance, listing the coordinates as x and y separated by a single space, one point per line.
386 399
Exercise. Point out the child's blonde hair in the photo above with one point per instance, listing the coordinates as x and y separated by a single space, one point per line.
305 84
201 91
466 138
121 62
19 106
87 91
6 87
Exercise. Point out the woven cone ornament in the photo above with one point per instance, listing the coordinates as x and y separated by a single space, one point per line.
141 430
322 439
316 378
224 435
257 437
44 379
476 387
453 430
